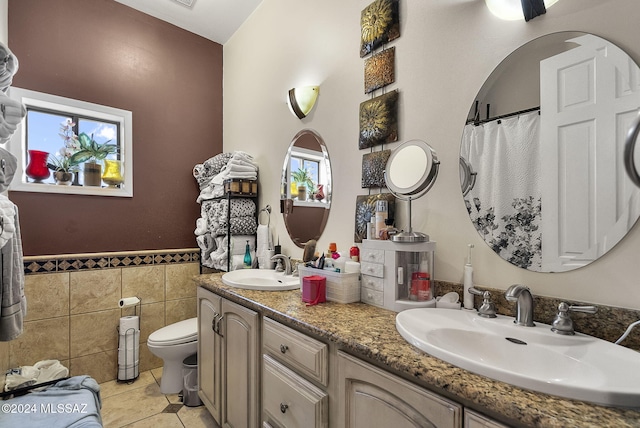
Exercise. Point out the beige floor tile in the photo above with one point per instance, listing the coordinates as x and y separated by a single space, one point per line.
113 387
136 405
157 374
196 417
161 420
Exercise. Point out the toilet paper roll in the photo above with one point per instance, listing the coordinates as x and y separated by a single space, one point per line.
128 301
129 322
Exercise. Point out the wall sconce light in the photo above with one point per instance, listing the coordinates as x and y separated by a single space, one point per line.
512 10
301 100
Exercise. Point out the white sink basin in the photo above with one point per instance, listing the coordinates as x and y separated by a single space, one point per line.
578 367
261 279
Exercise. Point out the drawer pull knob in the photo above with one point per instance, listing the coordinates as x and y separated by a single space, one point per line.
283 407
283 349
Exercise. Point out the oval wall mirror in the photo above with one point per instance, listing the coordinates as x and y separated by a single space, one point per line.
545 138
305 190
410 172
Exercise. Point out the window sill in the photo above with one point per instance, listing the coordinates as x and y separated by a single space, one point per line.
70 190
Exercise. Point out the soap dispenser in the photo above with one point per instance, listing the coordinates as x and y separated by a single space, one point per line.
468 281
247 256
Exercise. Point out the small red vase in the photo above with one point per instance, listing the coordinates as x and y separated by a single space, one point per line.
37 169
320 192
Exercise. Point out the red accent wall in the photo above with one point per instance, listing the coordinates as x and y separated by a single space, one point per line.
103 52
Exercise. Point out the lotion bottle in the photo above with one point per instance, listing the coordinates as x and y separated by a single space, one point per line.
468 281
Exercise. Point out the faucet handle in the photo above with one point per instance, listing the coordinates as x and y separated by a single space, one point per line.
487 309
563 324
586 309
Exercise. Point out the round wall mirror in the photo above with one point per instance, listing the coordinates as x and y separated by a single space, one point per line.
545 138
305 190
410 172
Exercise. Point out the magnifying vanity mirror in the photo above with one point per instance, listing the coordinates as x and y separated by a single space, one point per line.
545 137
305 190
410 172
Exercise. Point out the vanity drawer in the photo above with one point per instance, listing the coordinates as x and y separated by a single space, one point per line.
372 256
300 352
372 297
288 400
372 282
373 269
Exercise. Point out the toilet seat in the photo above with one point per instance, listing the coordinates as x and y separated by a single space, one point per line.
175 334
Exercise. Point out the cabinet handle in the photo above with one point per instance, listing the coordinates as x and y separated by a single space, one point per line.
284 349
219 324
283 407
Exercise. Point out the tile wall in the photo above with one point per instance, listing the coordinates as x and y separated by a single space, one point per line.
73 311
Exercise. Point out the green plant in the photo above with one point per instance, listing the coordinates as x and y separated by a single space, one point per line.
61 163
302 177
90 149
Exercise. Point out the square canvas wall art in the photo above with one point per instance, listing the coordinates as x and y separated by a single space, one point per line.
379 70
373 165
379 120
379 24
366 210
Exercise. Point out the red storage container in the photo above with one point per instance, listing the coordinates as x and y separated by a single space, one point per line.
314 289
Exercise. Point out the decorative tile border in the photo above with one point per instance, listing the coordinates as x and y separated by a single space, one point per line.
84 262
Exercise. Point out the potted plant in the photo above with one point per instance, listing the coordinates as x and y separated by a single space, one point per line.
92 153
61 164
63 168
302 179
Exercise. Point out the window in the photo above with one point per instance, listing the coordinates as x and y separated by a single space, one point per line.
314 163
51 121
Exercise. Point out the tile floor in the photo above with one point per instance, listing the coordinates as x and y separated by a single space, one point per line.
141 404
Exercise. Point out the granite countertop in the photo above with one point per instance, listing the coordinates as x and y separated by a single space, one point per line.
369 332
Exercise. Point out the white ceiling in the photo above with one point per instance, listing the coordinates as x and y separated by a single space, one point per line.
215 20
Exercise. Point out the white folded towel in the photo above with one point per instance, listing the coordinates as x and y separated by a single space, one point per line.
8 67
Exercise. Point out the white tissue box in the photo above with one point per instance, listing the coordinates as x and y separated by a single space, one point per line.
341 287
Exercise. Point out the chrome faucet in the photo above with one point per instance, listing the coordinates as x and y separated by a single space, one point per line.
524 304
285 259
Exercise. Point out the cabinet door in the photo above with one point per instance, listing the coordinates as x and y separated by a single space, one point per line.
370 397
240 366
209 347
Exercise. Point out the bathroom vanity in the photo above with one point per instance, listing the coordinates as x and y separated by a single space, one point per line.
334 364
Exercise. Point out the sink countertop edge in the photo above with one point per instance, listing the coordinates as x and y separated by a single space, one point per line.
381 343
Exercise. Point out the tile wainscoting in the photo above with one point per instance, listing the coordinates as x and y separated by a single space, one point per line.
73 313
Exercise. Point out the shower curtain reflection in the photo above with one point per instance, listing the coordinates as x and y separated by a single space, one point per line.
505 204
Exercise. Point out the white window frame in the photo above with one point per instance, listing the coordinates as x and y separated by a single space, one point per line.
310 155
18 144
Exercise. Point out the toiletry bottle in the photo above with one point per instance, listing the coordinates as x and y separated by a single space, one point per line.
468 281
381 216
332 249
247 256
354 253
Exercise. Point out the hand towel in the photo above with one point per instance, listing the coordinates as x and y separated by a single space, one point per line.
8 67
264 244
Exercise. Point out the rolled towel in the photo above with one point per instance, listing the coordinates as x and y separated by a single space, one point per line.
8 171
8 67
12 111
201 226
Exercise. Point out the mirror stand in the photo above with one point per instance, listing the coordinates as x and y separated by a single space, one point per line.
411 171
409 235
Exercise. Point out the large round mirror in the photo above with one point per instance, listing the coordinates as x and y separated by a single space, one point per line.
305 190
545 138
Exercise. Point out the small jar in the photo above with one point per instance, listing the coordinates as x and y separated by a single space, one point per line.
354 253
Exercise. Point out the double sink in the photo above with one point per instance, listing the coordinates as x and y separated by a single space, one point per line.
576 366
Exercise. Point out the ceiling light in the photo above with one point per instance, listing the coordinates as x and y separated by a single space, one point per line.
511 10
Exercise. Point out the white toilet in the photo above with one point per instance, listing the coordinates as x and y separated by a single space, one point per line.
173 344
